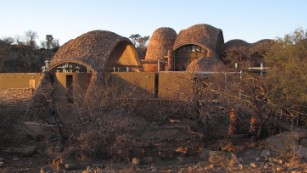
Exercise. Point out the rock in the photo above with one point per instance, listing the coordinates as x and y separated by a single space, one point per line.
303 142
46 169
251 155
135 161
36 130
265 154
28 150
260 159
281 142
1 164
204 155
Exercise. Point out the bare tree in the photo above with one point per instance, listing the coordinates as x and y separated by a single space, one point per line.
30 37
142 41
134 38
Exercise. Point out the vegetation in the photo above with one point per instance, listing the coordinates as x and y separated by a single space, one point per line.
23 54
140 43
115 129
287 73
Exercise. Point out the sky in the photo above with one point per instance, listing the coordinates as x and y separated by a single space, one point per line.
66 19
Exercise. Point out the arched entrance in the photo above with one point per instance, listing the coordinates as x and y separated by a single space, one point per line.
185 54
70 81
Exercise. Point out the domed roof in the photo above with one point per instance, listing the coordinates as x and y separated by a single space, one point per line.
160 42
240 46
260 46
234 49
236 43
92 49
202 35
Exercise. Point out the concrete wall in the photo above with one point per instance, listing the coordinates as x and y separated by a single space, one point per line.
19 80
164 85
80 82
175 85
137 83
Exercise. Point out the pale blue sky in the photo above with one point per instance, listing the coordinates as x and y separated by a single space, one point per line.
66 19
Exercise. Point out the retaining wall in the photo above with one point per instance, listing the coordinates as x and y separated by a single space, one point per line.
19 80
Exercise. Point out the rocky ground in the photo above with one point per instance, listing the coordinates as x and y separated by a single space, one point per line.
251 160
27 155
187 152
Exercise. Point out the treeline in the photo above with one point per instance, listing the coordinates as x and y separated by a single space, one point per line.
24 54
287 73
140 44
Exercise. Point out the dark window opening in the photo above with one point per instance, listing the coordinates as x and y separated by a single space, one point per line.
69 89
186 54
52 79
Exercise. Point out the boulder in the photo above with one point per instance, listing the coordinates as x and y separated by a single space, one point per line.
204 155
27 150
284 141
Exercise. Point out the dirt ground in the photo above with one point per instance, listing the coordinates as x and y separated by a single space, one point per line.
181 151
243 160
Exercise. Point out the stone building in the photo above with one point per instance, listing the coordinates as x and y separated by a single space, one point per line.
196 42
161 41
245 54
201 47
79 66
82 65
